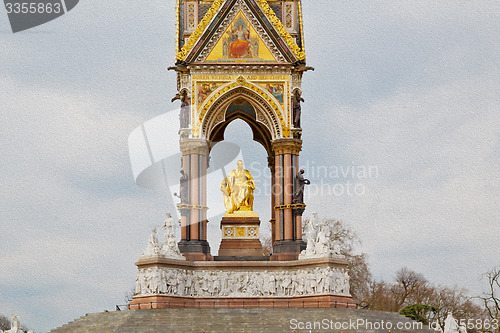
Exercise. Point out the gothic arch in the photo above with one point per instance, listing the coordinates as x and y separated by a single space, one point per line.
267 125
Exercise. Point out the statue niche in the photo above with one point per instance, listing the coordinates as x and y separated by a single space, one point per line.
240 224
297 108
237 189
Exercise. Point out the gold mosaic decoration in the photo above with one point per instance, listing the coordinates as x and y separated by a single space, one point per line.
235 232
177 30
241 81
204 89
277 89
301 26
281 29
199 29
278 26
240 232
252 232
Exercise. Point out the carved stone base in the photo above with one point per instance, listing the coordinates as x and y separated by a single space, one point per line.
195 250
320 282
284 250
165 302
240 248
243 258
240 237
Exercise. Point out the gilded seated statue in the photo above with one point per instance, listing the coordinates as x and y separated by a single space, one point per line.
237 189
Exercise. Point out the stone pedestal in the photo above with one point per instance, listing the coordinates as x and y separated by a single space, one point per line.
240 235
287 249
195 250
320 282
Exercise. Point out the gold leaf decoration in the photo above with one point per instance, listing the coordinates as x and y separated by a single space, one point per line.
199 29
281 29
275 21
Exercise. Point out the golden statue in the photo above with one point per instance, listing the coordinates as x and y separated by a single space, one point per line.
237 189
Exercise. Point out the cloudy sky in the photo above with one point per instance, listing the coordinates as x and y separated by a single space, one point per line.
410 88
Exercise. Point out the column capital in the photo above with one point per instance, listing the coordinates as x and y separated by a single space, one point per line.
194 146
271 163
287 146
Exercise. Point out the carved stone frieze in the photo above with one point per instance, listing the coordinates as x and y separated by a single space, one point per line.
173 281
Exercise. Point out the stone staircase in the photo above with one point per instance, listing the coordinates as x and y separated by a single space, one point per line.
243 320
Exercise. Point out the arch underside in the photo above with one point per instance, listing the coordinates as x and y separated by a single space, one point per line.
265 125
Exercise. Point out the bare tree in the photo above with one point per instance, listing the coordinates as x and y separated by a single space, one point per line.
343 235
411 290
382 297
360 279
491 298
4 323
409 286
455 300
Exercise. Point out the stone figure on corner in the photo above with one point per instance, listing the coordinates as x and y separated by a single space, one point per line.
300 183
319 236
153 248
184 184
185 110
170 248
15 326
297 108
310 235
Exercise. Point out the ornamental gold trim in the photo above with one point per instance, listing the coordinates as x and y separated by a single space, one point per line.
278 25
240 232
301 25
241 82
186 206
294 206
177 41
199 29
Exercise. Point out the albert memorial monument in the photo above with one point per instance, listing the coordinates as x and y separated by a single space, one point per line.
241 59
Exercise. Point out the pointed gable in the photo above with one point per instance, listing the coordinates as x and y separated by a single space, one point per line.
240 31
240 42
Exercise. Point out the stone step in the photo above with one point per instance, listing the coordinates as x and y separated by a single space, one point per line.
242 258
242 320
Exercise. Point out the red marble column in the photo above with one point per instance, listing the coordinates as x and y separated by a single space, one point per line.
298 218
273 203
204 164
185 216
194 243
298 225
277 193
195 192
288 196
288 242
